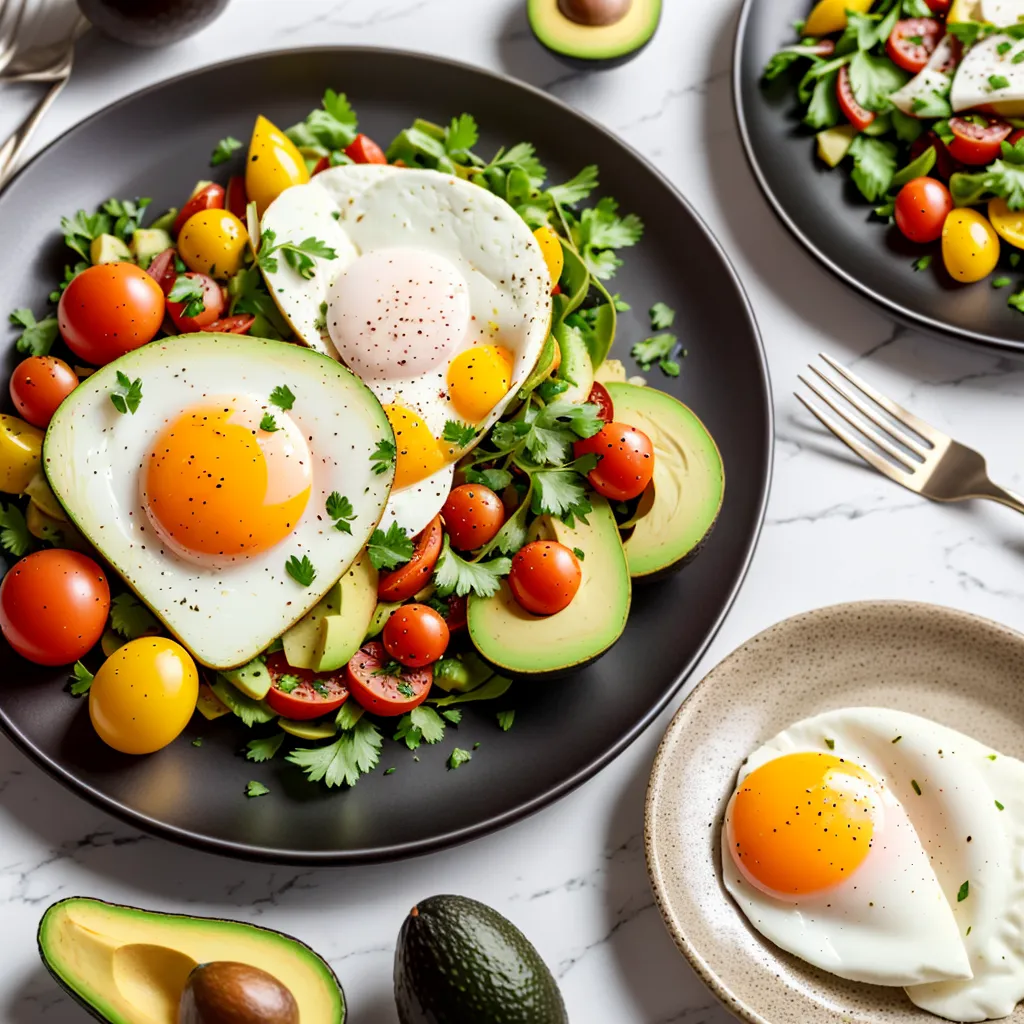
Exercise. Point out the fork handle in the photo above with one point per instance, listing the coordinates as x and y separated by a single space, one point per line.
11 150
1004 497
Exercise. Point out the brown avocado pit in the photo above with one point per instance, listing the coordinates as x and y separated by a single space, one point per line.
595 12
224 992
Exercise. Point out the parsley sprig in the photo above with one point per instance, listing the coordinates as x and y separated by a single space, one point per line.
128 397
37 336
188 288
301 570
224 150
340 509
391 548
299 256
355 752
383 457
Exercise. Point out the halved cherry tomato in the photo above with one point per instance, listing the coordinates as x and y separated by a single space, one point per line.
945 165
938 6
455 616
415 635
237 324
857 115
912 41
374 686
545 576
162 270
209 197
921 209
402 583
213 306
54 606
38 385
473 514
363 150
977 144
108 310
626 460
235 198
300 694
321 165
1016 136
599 396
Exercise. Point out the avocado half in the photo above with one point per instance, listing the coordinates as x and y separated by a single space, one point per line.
458 960
594 45
124 965
680 508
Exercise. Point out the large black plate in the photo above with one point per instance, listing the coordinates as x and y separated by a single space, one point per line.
828 215
157 143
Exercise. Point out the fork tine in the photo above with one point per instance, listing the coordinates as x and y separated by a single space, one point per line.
879 421
863 428
905 416
844 435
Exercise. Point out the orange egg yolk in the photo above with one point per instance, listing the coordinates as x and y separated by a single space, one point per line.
478 379
419 453
218 486
803 823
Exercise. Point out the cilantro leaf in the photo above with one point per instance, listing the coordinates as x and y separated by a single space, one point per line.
264 748
301 570
341 511
131 618
422 724
14 535
268 424
188 288
560 492
965 891
251 712
505 719
922 262
969 32
1016 301
874 78
874 165
70 273
458 758
823 108
327 131
127 399
224 149
282 397
354 753
662 316
454 574
407 733
288 683
383 457
81 680
348 714
458 434
583 420
298 255
254 788
496 479
82 228
579 553
453 715
127 214
577 188
38 336
652 350
998 82
601 228
461 135
390 549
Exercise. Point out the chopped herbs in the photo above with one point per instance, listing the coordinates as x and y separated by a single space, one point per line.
421 725
129 395
340 509
327 131
282 397
37 336
579 553
383 457
1016 300
993 757
999 806
264 748
125 216
998 82
831 744
454 715
301 570
299 256
80 230
81 679
898 738
288 683
662 316
1001 282
505 720
458 434
254 788
224 150
387 550
354 753
458 757
922 262
14 535
268 423
130 618
964 892
188 288
454 575
198 741
916 787
658 349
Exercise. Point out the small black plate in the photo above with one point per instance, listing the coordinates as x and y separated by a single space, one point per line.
156 143
828 215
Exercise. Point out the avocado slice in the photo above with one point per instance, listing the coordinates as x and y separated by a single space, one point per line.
148 243
688 485
459 960
342 635
576 366
109 249
300 642
834 143
125 965
320 730
510 637
601 33
252 679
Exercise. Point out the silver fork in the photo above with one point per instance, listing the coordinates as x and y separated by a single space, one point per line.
920 458
11 14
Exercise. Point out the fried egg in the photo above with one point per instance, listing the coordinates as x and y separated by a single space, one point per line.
438 297
203 496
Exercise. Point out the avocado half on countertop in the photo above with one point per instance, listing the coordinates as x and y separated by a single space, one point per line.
125 965
594 33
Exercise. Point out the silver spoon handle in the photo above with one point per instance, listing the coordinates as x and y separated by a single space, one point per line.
11 150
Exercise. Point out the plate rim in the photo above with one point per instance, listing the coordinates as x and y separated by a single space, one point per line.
397 851
655 791
899 312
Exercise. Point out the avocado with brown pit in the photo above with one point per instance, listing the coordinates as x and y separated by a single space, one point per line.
223 992
594 33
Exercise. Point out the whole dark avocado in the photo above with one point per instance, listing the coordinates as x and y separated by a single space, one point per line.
151 22
460 962
594 33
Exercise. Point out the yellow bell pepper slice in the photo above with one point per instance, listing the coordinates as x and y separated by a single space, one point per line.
1009 224
829 16
274 164
20 444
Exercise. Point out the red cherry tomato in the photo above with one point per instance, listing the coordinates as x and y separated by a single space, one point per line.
235 197
363 150
545 576
1015 136
858 116
938 6
912 41
378 691
162 270
213 306
599 396
108 310
209 197
944 165
300 694
977 144
237 324
407 580
455 616
473 514
626 461
415 635
921 209
321 165
54 606
38 385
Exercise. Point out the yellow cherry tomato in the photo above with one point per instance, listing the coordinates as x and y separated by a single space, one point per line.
829 16
1009 224
20 444
551 247
213 242
143 695
970 246
274 164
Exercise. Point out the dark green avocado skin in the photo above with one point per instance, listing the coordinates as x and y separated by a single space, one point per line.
597 64
151 22
460 962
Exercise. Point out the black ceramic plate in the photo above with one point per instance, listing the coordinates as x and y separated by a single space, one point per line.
564 731
828 215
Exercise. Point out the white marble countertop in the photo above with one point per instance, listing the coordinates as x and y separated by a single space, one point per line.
573 876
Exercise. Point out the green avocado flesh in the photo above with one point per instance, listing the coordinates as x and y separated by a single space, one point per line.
459 961
127 965
594 43
520 643
682 504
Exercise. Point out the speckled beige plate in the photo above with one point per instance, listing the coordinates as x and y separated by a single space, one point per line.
962 671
